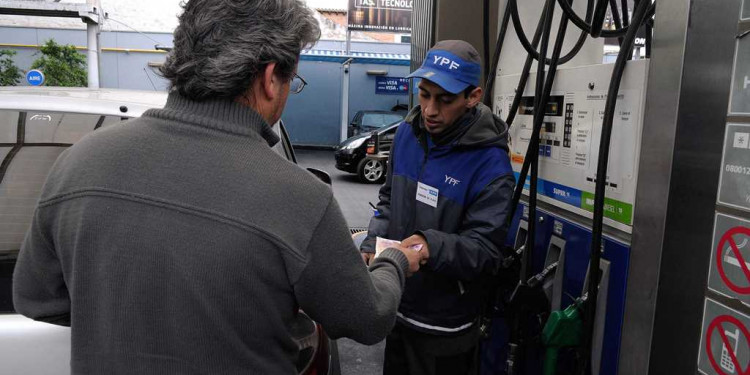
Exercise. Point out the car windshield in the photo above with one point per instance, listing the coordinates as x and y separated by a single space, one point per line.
377 120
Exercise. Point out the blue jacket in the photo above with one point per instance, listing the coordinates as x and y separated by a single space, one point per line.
467 171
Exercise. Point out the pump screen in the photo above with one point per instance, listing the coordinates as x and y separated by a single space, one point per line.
554 106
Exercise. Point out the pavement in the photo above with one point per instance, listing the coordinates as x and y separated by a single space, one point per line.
353 197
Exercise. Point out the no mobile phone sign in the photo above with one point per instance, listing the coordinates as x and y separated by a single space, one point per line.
724 345
732 334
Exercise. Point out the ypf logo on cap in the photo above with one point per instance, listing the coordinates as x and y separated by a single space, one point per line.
452 64
443 61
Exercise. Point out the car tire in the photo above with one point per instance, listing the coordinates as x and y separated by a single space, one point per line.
371 171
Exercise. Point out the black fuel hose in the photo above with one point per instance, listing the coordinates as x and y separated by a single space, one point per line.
530 59
539 278
584 25
490 81
616 18
597 24
533 150
531 50
512 114
518 332
625 13
540 105
641 13
526 69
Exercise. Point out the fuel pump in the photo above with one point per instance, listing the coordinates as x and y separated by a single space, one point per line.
574 325
616 166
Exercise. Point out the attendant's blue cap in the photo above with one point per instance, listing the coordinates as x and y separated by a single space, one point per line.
453 65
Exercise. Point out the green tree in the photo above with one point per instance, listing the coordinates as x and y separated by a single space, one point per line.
62 65
10 75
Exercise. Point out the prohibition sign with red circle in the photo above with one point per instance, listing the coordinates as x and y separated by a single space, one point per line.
728 238
717 323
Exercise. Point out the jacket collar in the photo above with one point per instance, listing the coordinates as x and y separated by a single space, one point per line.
218 114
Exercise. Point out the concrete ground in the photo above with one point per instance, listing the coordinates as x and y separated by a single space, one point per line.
352 196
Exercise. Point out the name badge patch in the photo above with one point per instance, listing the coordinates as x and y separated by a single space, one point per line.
427 194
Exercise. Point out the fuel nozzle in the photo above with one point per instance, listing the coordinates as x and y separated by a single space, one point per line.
563 329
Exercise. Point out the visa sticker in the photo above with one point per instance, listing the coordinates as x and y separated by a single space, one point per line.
427 194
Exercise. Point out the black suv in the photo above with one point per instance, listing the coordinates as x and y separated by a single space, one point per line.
351 154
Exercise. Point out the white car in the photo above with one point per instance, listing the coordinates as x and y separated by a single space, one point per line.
36 125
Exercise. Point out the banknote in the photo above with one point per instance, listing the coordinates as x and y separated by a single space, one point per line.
384 243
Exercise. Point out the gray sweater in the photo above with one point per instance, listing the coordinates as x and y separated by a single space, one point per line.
180 243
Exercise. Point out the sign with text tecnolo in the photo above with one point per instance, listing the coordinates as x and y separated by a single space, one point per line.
380 15
392 85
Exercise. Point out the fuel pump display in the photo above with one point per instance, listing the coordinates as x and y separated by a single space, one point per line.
569 138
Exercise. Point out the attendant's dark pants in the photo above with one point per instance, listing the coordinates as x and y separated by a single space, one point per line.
409 352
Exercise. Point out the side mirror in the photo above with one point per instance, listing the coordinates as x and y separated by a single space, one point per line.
323 176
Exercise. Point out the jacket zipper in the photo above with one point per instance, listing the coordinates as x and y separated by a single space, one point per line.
426 149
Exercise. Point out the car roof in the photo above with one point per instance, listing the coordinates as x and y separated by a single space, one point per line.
81 100
380 111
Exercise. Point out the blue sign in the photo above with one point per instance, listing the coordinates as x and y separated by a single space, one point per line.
35 77
555 191
392 85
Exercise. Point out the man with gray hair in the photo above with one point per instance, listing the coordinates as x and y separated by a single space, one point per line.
180 242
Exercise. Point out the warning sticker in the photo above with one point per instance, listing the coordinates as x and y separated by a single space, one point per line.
729 272
725 349
734 180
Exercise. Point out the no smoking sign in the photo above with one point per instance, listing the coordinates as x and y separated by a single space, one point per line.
729 272
725 349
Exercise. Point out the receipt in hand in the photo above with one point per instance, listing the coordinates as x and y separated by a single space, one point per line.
384 243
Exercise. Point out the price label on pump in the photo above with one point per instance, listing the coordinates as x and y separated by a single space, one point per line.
734 184
724 345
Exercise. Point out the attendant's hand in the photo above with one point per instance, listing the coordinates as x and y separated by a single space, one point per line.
368 257
413 256
418 243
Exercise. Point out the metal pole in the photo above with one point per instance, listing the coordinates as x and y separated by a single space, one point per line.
99 54
345 86
345 98
348 50
92 55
